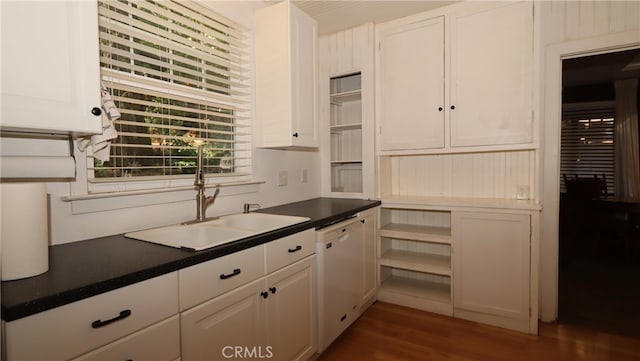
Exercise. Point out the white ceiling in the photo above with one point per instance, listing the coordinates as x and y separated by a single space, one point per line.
337 15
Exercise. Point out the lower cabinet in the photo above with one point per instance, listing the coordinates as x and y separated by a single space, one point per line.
230 323
155 343
256 304
270 318
491 268
121 322
475 263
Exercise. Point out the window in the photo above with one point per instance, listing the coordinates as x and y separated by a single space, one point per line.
177 72
587 138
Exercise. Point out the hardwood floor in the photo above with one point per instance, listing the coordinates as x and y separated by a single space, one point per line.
389 332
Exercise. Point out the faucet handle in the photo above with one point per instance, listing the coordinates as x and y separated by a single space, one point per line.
247 207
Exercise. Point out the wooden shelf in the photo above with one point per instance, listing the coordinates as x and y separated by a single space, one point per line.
349 126
348 96
346 162
424 295
417 233
416 261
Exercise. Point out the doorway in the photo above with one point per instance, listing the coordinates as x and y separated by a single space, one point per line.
599 230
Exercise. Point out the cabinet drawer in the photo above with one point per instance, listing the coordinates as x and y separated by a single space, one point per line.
207 280
71 330
290 249
160 342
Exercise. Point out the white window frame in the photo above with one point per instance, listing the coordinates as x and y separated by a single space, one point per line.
86 185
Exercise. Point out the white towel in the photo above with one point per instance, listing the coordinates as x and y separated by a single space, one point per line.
101 143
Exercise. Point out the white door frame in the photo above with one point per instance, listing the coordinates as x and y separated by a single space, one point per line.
550 168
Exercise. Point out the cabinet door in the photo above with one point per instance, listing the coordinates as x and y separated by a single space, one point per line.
285 52
411 86
304 57
491 75
233 322
160 342
291 311
50 66
491 264
369 259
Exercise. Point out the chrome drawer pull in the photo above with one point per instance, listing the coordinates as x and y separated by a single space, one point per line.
123 314
234 273
291 250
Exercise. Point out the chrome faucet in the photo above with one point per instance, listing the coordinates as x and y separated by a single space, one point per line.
202 201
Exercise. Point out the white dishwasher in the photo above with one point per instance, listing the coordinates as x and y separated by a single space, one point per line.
339 255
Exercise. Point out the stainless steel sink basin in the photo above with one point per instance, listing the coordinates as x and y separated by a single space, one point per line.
219 231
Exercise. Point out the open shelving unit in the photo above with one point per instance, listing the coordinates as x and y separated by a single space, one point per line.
415 258
346 133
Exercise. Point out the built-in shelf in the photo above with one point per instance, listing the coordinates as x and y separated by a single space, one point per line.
347 96
345 130
417 232
349 126
421 294
341 162
415 258
417 261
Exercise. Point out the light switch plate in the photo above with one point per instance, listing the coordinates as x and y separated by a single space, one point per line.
304 175
282 178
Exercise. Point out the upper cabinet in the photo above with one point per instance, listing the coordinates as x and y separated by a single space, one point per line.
491 82
50 67
411 85
455 80
286 57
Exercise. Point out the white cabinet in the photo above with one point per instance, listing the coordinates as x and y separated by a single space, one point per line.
465 84
213 330
207 280
492 75
472 259
71 330
411 85
261 316
50 66
491 267
291 311
368 219
286 57
270 317
154 343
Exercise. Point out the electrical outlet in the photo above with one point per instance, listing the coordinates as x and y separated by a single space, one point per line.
282 178
522 191
304 175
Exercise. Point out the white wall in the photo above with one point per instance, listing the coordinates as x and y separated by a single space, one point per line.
89 218
569 29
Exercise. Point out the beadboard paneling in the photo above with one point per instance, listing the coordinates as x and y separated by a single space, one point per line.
575 20
473 175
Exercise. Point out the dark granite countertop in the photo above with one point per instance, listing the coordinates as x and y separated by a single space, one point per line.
83 269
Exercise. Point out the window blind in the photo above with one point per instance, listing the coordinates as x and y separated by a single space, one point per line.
587 142
177 73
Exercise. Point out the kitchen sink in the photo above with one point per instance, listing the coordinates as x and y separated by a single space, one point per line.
203 235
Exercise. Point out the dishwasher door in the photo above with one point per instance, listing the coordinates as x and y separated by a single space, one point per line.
340 275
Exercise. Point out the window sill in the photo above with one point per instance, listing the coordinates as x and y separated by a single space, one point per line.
96 202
